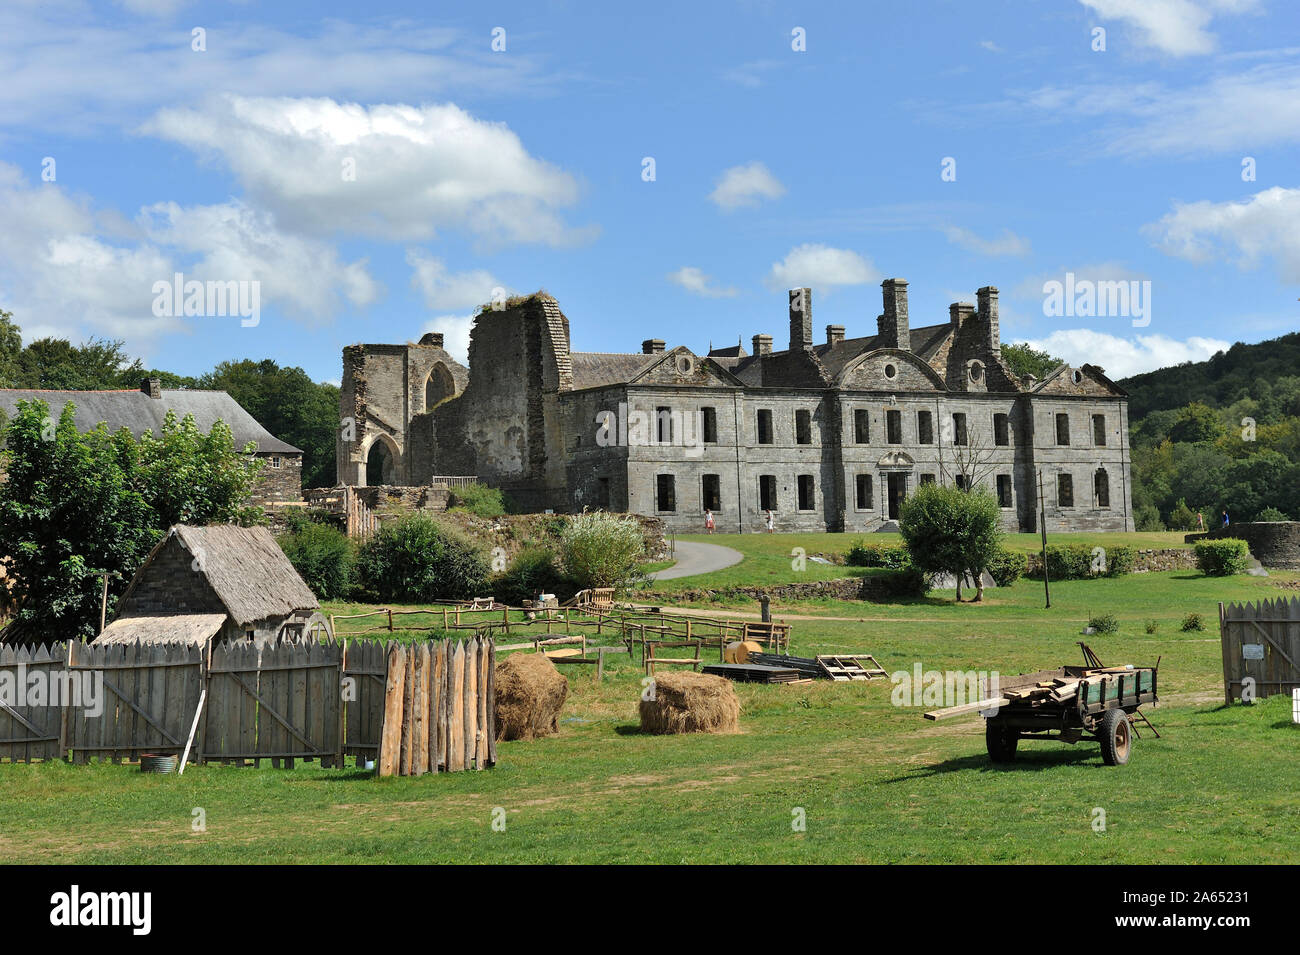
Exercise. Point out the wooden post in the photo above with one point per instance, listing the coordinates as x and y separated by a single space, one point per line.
1042 520
103 604
63 717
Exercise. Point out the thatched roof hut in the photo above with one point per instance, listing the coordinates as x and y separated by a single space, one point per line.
225 582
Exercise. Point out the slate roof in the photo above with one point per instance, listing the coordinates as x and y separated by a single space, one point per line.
594 369
137 411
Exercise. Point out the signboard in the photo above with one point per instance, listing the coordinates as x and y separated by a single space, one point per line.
1252 651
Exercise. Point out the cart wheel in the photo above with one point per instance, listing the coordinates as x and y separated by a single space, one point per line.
1001 741
1116 737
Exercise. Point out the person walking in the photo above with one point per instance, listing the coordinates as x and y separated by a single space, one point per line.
708 520
771 521
1225 519
1200 521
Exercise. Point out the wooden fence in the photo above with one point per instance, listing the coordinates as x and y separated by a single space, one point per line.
283 702
1261 647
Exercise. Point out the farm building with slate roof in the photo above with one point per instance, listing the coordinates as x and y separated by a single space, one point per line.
226 582
145 409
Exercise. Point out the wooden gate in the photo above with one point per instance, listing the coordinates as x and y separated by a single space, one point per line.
30 729
1261 647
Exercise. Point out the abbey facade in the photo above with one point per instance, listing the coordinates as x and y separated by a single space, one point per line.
828 435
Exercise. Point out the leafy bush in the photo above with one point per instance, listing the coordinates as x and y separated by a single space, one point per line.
1222 558
1182 517
535 570
952 531
890 584
1270 514
1007 566
478 499
1151 626
1079 561
418 559
324 556
871 554
601 550
1146 517
1192 622
1104 623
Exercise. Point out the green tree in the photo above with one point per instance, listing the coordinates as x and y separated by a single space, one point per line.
69 511
288 404
947 530
1023 359
188 477
599 549
418 559
1197 422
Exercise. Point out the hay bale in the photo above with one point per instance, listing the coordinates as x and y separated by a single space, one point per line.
691 703
530 692
738 651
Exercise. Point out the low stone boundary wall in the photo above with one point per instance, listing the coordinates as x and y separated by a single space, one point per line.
1272 543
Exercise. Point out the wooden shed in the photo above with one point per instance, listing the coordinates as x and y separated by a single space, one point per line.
224 582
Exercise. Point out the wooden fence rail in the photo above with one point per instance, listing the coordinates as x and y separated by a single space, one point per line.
1261 647
295 699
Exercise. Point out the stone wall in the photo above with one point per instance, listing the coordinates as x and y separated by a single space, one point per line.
1272 543
276 485
172 585
512 531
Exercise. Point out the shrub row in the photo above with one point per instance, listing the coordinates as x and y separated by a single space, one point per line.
1079 562
1222 558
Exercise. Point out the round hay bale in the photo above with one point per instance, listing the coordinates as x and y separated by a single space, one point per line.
691 703
738 651
530 692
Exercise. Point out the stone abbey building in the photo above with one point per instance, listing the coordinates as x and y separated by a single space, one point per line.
829 435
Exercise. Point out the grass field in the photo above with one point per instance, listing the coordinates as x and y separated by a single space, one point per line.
875 781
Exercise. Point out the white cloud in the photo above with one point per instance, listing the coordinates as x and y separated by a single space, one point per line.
442 289
695 281
153 8
1008 243
1122 357
746 185
991 46
1176 27
71 271
455 332
1244 232
70 67
1032 286
814 266
417 169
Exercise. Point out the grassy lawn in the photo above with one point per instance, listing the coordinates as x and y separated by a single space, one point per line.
877 782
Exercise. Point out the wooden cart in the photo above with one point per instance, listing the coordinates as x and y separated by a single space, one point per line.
1067 704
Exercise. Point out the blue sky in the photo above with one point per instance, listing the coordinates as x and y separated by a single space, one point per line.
479 169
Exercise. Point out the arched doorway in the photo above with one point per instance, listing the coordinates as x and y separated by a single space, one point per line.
381 462
439 386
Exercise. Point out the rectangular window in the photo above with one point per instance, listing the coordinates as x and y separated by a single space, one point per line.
764 426
665 493
807 496
767 492
959 428
862 426
1001 430
712 492
803 427
275 461
865 497
602 492
894 427
709 425
1004 490
962 482
1064 490
1099 430
1101 484
1063 429
664 424
927 478
924 427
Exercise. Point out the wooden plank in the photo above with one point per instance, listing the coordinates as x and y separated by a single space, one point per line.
420 712
481 696
492 704
975 707
471 701
456 711
390 746
437 708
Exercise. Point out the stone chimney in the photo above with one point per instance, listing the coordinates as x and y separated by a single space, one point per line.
151 387
762 344
800 318
987 298
652 346
958 312
432 338
894 329
834 334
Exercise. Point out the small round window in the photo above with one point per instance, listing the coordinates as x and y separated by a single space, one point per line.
891 371
685 364
1078 376
976 372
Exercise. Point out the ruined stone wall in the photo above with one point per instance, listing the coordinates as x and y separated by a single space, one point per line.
172 585
1273 543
